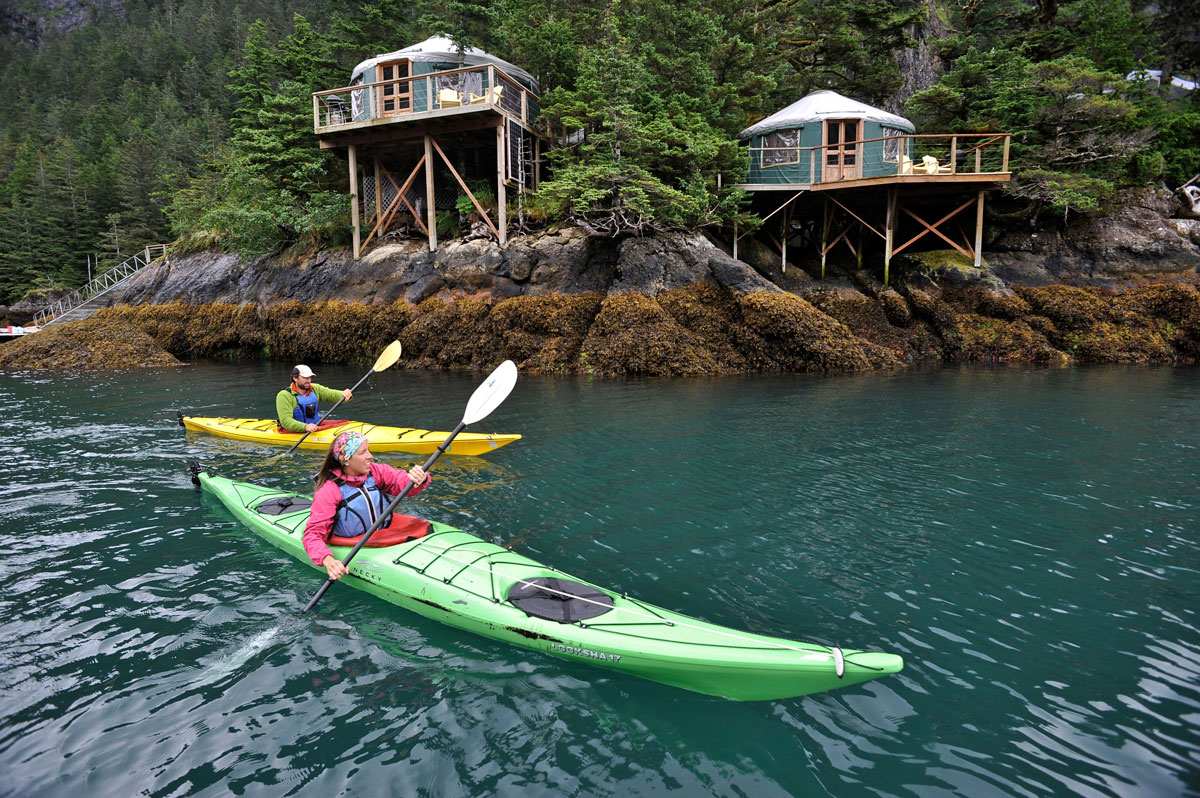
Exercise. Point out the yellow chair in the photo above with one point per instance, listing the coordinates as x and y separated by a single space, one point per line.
491 96
906 166
930 166
448 98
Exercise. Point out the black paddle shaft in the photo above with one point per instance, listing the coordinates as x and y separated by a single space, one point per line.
462 425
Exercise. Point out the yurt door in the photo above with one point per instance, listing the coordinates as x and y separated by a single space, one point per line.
395 93
841 149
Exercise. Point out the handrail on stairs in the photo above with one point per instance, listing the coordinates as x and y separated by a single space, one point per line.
99 285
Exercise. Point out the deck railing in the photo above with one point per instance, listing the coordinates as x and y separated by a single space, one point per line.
99 285
934 154
452 91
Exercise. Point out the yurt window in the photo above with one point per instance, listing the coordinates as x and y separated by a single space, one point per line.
780 147
358 99
892 139
395 95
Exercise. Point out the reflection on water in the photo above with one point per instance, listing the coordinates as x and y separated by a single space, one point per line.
1026 539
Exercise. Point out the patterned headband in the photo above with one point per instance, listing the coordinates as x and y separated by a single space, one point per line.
345 445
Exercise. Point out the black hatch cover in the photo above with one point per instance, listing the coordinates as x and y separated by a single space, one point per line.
558 599
283 504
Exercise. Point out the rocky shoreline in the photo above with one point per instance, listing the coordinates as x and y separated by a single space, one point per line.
668 305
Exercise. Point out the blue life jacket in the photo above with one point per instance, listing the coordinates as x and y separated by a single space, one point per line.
306 407
359 508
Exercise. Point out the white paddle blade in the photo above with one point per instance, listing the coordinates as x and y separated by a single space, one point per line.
388 357
494 390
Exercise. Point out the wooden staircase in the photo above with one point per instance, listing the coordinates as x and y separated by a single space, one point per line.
87 300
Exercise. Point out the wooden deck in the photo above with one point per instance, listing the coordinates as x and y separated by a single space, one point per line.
988 179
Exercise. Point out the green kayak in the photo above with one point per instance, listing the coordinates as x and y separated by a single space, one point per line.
458 579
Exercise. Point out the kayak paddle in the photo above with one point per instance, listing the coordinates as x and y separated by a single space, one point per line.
386 358
487 397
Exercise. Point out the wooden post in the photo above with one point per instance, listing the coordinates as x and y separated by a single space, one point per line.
430 210
891 232
316 114
954 155
979 232
1004 165
824 232
353 154
783 233
501 204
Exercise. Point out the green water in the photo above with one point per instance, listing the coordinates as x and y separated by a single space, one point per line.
1029 541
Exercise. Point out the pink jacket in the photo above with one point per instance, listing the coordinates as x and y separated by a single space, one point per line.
328 496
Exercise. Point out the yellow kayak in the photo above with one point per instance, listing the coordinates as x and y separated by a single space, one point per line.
382 439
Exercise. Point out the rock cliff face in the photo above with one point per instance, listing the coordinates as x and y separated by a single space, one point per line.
565 262
1121 290
1141 240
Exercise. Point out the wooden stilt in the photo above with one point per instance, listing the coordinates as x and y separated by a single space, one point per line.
735 238
430 209
858 251
824 233
890 236
979 232
501 204
783 233
352 152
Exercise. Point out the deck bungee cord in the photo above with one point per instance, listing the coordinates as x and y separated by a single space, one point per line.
834 651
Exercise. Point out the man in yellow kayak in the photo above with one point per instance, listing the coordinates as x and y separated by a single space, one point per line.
296 405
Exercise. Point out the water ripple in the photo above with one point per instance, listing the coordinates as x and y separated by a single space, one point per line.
1026 539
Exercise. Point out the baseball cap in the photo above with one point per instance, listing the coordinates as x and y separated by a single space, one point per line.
302 371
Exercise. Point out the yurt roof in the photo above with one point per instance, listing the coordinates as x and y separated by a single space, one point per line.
443 50
820 105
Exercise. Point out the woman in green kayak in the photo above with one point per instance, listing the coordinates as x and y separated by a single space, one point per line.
352 492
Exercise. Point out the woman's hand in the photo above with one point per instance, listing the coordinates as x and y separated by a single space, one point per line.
334 567
417 475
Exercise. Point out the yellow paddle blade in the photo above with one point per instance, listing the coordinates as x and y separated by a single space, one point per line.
388 356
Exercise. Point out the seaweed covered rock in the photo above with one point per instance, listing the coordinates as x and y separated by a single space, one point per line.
449 335
711 314
801 338
887 322
1153 324
985 338
92 344
544 333
632 334
1070 308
